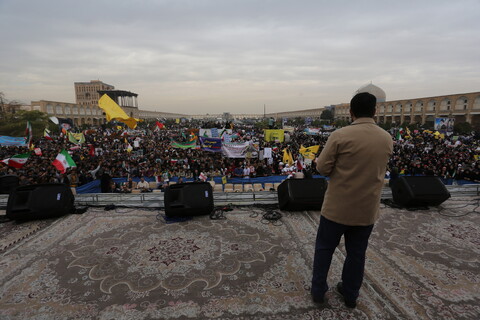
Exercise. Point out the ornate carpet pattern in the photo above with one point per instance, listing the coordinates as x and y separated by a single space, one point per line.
12 233
426 263
130 265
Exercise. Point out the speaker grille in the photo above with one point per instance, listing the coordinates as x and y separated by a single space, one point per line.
301 194
411 191
40 201
188 199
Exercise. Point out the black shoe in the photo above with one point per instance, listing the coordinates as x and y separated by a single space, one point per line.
349 303
319 300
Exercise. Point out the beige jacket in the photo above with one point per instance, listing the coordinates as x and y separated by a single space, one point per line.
355 158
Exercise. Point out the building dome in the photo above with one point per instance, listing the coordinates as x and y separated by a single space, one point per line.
373 89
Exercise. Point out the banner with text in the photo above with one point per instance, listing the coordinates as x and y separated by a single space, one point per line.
211 144
235 150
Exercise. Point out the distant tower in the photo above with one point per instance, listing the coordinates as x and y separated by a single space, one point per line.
86 93
373 89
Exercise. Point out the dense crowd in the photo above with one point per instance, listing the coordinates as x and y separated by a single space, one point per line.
106 154
454 157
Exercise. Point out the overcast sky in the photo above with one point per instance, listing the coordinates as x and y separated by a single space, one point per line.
198 57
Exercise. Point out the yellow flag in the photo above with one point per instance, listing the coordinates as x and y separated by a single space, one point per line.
177 120
287 157
224 179
291 162
408 135
274 135
114 112
310 152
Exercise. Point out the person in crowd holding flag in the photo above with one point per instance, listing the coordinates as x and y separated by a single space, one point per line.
93 172
355 158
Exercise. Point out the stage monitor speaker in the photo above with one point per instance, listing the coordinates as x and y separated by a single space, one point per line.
413 191
188 199
301 194
8 183
40 201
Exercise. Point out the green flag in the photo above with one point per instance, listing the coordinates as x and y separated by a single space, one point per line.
186 145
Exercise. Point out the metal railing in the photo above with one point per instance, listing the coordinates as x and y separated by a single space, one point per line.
155 200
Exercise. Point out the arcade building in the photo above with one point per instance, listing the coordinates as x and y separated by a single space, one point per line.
463 107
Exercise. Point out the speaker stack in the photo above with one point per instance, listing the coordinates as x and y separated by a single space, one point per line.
301 194
40 201
188 199
413 191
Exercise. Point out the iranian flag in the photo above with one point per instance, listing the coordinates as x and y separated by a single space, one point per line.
159 125
399 135
17 161
63 161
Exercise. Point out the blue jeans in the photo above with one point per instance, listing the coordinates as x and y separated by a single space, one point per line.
356 242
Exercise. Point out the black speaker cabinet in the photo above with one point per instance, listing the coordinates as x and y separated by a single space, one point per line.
188 199
412 191
301 194
40 201
8 183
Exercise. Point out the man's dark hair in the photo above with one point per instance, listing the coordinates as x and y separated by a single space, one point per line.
363 105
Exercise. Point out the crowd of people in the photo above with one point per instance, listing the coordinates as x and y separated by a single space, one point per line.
451 158
111 152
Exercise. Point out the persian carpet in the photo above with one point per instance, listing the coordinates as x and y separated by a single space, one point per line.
130 265
426 263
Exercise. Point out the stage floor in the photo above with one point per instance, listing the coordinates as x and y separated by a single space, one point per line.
130 263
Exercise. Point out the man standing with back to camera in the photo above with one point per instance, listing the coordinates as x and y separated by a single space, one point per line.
355 158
